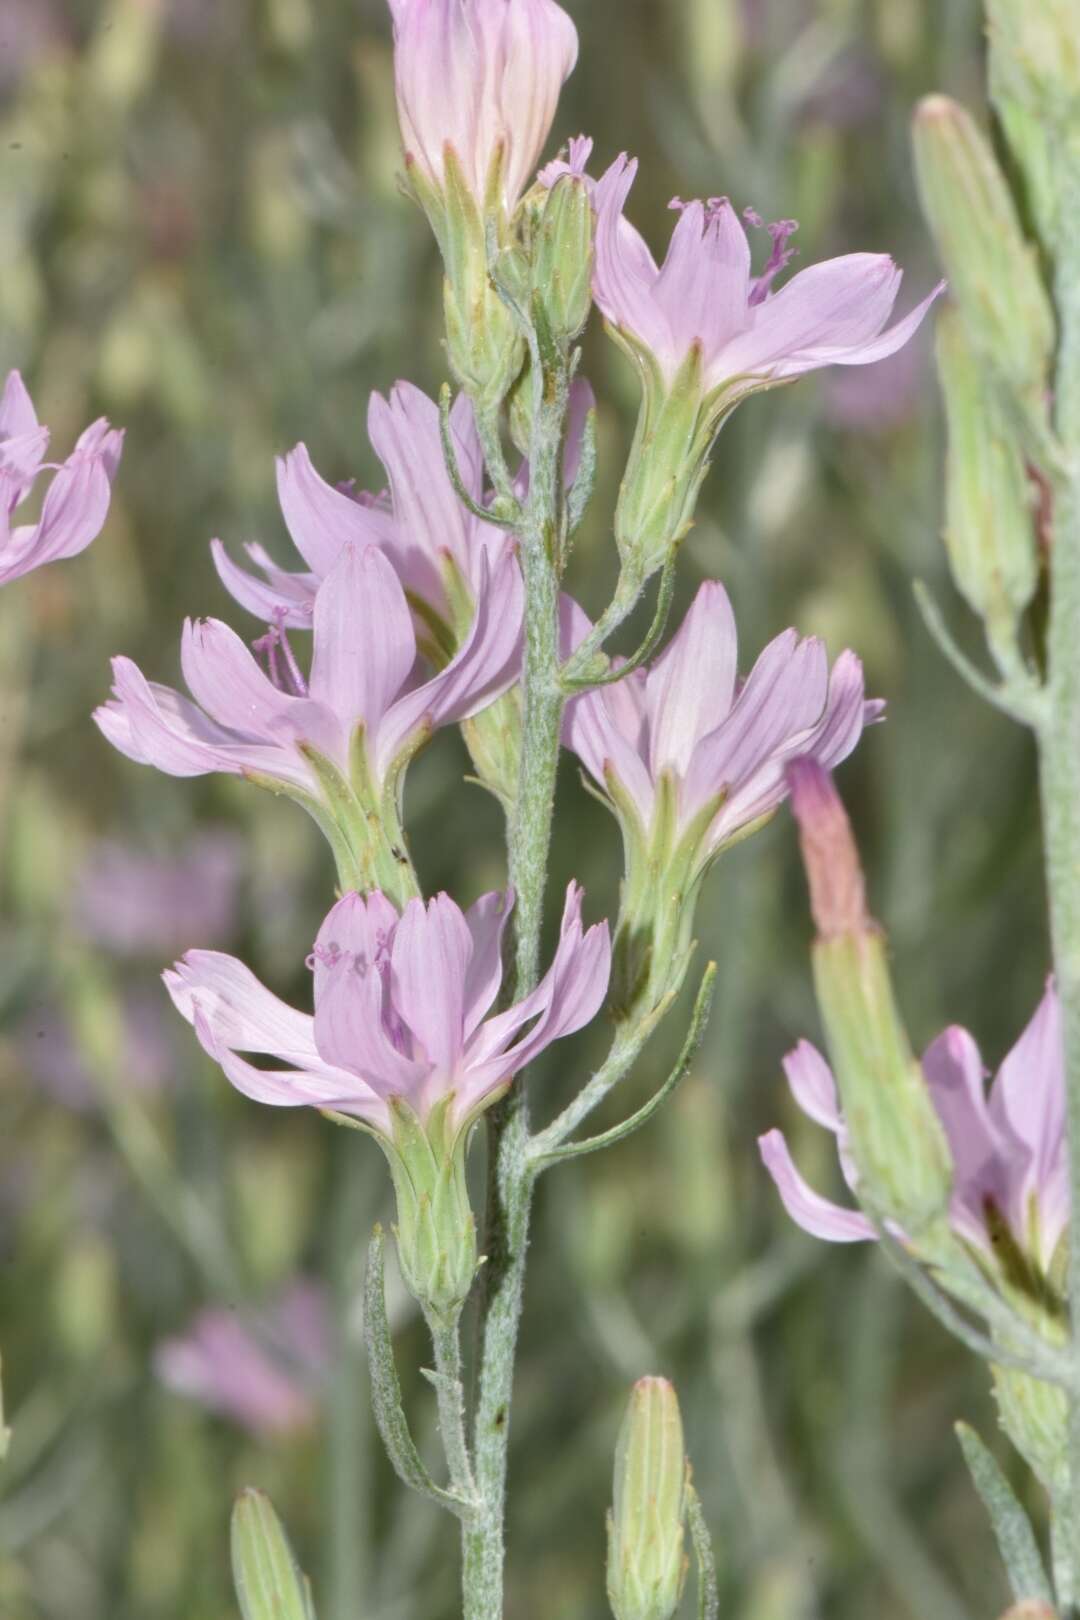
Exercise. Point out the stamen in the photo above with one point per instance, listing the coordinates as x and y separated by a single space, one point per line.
780 257
289 679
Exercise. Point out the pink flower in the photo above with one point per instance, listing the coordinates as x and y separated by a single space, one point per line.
719 743
1008 1148
704 295
481 77
77 500
146 905
401 1007
420 524
362 681
262 1372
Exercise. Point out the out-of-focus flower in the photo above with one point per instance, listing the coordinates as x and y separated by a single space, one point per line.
400 1005
400 1042
261 1372
55 1064
879 400
690 760
28 31
340 739
704 332
77 500
480 79
1008 1147
145 905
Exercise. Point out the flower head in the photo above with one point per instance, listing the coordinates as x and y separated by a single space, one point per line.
482 78
401 1009
77 500
435 544
721 745
691 760
1008 1146
260 1373
705 296
278 724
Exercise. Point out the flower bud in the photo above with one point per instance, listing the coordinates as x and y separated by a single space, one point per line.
646 1561
436 1228
1039 41
989 531
992 268
897 1143
483 345
563 258
269 1583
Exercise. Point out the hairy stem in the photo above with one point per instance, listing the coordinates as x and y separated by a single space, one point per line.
1059 757
511 1176
446 1342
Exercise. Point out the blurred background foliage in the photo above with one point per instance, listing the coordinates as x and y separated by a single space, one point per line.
200 235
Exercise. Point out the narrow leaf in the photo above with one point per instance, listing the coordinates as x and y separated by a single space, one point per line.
708 1591
1011 1525
386 1391
594 1144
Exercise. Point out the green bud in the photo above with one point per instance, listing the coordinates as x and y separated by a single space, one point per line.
899 1147
646 1560
436 1228
897 1142
1038 44
269 1583
669 459
993 270
485 349
563 258
989 530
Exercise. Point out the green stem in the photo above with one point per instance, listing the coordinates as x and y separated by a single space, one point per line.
1059 758
450 1393
349 1452
511 1176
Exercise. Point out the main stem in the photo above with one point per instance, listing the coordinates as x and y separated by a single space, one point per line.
510 1174
1059 758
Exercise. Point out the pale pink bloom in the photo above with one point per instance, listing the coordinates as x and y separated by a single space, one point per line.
401 1008
419 523
263 725
261 1371
154 905
482 77
718 740
705 294
1008 1147
77 500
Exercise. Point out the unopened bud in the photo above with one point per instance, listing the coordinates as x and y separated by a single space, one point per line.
436 1228
269 1583
646 1560
483 344
899 1148
993 270
989 528
1039 41
563 258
